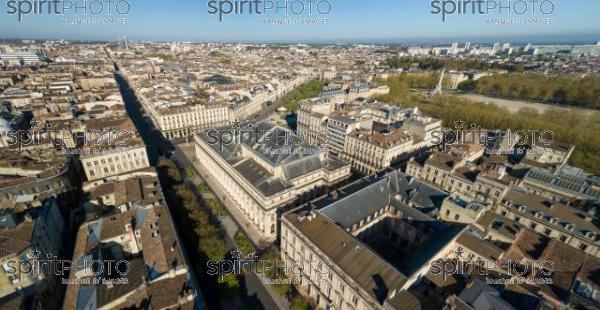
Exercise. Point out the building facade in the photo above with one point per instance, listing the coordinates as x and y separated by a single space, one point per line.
36 236
261 175
122 161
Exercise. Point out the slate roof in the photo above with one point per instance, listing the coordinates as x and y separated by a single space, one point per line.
569 264
357 260
275 146
568 183
549 210
393 189
333 221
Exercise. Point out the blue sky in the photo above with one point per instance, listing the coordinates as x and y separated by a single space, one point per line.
350 21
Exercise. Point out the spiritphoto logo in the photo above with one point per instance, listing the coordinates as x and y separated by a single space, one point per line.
282 272
275 8
522 9
282 140
92 140
515 140
34 264
97 11
531 272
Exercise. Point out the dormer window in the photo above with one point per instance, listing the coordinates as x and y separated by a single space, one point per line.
570 227
539 215
590 235
522 208
554 221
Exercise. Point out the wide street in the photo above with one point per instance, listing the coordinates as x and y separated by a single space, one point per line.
253 294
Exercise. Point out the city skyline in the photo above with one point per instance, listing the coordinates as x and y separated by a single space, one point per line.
348 22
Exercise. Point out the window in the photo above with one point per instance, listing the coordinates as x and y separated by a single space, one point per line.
563 238
342 287
547 232
456 217
583 247
354 300
533 225
13 277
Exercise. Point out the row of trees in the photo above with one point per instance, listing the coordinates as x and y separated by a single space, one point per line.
432 63
564 90
428 80
569 125
203 238
306 91
243 243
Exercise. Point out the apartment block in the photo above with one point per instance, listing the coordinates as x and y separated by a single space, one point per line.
553 219
117 150
130 229
31 234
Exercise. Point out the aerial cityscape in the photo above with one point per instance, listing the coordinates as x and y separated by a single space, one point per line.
282 171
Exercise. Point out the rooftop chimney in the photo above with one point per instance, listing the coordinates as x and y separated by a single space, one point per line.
502 171
28 217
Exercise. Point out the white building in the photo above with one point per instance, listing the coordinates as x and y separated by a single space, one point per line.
312 119
338 127
264 168
109 164
120 150
177 122
371 151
